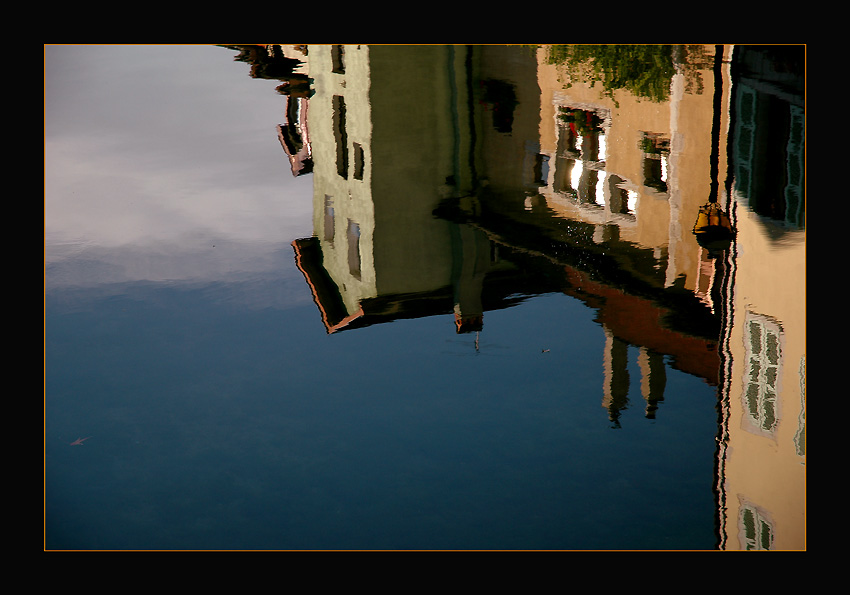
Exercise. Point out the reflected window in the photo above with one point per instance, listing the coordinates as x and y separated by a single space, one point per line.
800 436
576 172
565 159
588 188
602 145
340 135
353 235
358 162
585 131
762 337
540 175
769 156
756 529
329 219
580 155
563 176
338 59
620 200
656 148
599 191
499 98
795 212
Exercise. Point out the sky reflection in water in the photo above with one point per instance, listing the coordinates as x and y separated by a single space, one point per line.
183 337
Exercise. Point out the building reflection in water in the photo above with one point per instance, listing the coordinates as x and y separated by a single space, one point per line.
761 460
476 177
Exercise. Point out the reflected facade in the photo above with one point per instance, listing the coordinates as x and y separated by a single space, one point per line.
490 297
476 177
762 456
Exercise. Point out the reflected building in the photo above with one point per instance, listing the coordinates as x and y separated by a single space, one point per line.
389 143
635 169
352 210
635 172
477 135
462 179
638 172
761 462
606 187
294 136
287 64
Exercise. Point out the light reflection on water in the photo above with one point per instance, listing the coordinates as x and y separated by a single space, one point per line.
459 305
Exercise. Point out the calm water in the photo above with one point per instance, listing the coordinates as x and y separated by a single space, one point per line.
424 298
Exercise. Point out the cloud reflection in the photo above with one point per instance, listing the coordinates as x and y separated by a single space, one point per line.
175 149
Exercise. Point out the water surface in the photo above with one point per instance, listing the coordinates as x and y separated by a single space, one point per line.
319 301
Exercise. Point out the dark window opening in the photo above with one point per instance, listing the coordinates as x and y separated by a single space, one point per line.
353 234
358 162
656 148
329 219
499 97
338 59
340 135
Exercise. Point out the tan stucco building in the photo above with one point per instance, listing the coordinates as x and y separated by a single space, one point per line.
759 289
529 158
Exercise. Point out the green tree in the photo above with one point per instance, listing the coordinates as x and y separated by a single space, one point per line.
643 70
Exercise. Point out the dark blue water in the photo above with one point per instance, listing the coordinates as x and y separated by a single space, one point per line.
219 427
182 340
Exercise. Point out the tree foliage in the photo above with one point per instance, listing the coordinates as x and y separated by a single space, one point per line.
643 70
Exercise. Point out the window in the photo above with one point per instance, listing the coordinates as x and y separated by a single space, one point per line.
756 530
340 135
620 200
795 210
329 219
762 337
499 98
580 155
656 148
800 436
769 156
338 59
353 235
358 162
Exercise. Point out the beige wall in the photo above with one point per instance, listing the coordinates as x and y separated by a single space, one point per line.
762 471
662 220
404 106
765 470
414 152
350 198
